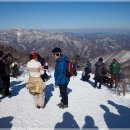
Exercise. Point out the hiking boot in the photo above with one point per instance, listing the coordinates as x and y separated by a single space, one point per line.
7 94
95 86
110 87
63 106
40 107
60 104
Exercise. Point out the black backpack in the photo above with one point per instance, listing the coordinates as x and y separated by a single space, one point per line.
104 70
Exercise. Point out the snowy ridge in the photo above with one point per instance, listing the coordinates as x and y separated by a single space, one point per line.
88 107
87 45
122 56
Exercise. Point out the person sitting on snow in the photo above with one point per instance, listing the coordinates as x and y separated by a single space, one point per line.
86 74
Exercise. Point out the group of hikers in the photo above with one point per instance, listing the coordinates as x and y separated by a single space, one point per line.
101 73
64 69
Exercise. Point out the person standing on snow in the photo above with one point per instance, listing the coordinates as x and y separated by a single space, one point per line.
61 79
8 60
2 73
114 71
76 66
99 73
35 84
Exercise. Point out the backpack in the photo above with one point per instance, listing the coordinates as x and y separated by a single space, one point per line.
69 69
104 70
120 76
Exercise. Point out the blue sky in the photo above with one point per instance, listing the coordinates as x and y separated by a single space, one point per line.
65 15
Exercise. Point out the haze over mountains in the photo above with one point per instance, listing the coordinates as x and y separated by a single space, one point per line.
86 45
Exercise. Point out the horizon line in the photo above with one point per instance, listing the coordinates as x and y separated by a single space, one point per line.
67 28
64 1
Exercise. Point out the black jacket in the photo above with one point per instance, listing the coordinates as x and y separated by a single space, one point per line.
100 68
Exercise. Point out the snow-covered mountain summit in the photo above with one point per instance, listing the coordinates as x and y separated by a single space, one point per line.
88 107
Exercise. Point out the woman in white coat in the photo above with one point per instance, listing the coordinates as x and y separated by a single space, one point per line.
35 84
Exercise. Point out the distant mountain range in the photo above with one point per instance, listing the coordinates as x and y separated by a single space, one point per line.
86 45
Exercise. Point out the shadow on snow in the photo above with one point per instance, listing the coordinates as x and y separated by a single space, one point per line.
5 122
121 120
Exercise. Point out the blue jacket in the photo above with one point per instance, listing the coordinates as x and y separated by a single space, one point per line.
60 71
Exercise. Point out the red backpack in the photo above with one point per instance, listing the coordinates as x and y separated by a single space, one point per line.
69 69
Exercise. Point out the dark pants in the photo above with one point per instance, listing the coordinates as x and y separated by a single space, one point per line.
7 84
86 77
114 78
2 86
64 95
44 76
98 79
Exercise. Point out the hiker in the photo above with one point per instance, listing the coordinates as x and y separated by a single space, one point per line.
76 66
45 75
8 60
46 66
15 68
99 72
61 79
35 84
88 65
86 74
2 73
114 71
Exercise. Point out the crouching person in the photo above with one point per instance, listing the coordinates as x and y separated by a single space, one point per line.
35 84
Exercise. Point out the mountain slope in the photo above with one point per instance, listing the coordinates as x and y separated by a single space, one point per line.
86 46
